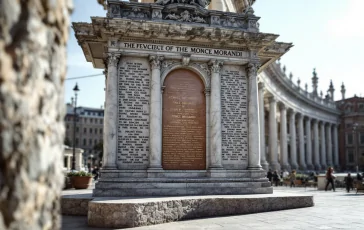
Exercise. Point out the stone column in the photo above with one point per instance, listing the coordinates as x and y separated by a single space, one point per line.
79 159
316 146
336 147
273 149
329 145
308 144
155 114
215 115
208 143
68 162
111 113
263 154
253 114
292 132
323 145
301 138
283 137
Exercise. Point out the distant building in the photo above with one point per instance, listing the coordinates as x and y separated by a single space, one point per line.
89 132
351 132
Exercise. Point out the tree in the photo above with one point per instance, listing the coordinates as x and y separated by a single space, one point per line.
33 36
67 141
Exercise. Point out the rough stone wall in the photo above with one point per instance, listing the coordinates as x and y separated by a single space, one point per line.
108 214
33 36
75 206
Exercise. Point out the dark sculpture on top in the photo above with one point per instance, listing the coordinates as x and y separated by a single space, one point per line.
202 3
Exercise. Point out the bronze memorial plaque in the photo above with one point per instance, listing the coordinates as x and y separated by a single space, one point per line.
184 121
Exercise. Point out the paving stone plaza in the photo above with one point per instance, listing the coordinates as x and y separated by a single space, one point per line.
332 210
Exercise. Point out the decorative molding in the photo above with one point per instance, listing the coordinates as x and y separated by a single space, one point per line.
168 64
202 66
207 91
186 59
200 3
252 69
113 59
261 85
215 66
155 61
185 16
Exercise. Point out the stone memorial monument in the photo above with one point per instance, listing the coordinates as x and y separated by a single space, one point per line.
181 110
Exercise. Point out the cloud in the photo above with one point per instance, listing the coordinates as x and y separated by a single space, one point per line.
350 23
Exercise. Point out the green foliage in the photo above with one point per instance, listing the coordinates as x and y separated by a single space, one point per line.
80 173
300 176
67 141
100 149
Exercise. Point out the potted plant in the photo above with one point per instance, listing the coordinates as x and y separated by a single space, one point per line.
286 180
301 178
80 180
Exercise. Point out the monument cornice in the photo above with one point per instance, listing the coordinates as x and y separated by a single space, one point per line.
137 21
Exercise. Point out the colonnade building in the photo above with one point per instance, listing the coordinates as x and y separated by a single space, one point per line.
299 129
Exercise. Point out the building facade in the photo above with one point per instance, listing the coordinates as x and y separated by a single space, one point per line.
299 129
351 132
88 132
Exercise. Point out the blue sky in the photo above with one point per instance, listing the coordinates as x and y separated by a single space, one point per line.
327 35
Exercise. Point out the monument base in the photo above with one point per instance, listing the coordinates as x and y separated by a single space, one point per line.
134 212
124 183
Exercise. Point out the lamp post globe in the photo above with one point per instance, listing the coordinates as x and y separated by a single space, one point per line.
75 90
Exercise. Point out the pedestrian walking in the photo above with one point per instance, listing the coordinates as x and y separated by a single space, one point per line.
349 182
96 172
292 178
330 178
275 178
270 175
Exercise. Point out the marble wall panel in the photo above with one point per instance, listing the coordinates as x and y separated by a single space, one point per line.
133 113
234 108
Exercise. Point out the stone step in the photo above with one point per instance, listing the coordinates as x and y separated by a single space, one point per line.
134 212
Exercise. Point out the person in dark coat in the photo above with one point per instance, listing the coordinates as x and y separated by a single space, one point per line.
349 182
359 177
330 178
95 172
275 178
270 175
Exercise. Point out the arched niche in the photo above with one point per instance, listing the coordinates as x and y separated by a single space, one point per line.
183 121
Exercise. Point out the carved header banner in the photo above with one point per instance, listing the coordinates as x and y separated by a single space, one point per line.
181 49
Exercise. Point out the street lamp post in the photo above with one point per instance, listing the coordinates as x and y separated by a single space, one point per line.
75 89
